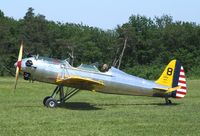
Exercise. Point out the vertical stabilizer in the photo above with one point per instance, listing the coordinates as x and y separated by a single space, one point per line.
174 76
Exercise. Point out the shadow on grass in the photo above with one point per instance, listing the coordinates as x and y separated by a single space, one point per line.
138 104
88 106
79 106
164 104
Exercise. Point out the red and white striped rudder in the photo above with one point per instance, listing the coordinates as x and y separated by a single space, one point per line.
180 93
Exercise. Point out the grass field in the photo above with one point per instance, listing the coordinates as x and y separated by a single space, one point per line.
95 114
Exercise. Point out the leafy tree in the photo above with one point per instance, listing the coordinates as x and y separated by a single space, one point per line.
141 46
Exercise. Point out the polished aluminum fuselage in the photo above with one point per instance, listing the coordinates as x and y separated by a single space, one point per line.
115 81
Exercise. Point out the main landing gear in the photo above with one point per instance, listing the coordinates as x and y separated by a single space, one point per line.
52 102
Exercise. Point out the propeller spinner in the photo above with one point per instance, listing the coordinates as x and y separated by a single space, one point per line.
18 64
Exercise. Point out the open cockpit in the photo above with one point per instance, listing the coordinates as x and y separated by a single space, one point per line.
65 64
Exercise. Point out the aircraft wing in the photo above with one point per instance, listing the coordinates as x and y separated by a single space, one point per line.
167 90
80 82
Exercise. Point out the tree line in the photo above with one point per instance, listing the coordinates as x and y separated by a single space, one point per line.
142 46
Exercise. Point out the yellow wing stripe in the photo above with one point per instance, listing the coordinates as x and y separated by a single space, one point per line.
78 78
80 82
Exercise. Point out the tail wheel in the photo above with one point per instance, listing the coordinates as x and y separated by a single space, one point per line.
169 102
51 103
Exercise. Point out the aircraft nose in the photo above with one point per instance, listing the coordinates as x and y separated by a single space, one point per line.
19 64
15 64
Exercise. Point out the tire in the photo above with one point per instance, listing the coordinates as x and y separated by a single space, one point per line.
169 102
51 103
45 99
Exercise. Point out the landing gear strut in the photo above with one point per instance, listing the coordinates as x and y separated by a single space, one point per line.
167 101
52 102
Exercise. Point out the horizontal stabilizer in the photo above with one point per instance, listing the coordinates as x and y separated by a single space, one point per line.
167 90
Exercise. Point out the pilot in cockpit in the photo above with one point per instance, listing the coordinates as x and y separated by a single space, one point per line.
104 68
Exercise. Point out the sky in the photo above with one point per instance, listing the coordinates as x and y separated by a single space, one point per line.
105 14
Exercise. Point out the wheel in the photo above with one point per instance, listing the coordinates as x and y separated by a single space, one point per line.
51 103
169 102
45 99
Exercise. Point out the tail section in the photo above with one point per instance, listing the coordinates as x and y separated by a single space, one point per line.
174 76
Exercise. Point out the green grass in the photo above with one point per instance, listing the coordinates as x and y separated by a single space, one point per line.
94 114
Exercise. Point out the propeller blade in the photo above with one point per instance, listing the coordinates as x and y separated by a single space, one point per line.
16 76
19 64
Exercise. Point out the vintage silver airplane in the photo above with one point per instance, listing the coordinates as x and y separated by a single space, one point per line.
172 82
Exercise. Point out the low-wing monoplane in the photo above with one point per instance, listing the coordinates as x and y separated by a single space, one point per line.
171 84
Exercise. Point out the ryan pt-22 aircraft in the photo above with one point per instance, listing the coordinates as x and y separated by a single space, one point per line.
171 84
